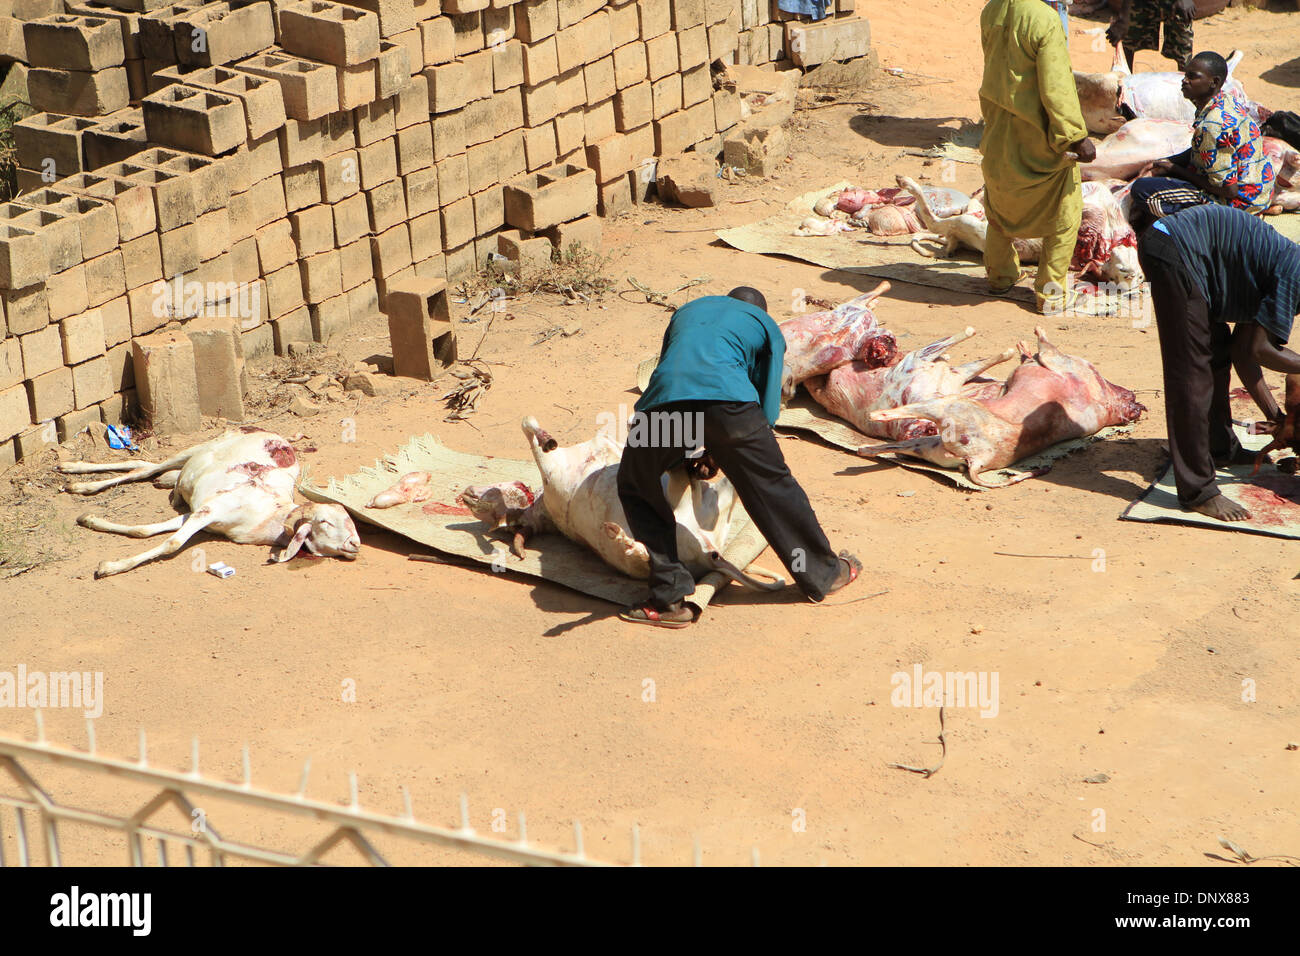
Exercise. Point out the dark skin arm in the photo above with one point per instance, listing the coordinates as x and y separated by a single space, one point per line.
1119 26
1165 168
1252 352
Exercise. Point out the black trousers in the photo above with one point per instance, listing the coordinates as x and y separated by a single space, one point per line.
741 441
1195 351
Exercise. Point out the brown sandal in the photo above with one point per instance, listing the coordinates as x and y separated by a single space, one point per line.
645 614
855 568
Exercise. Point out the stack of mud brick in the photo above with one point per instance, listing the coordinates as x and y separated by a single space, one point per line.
843 34
283 165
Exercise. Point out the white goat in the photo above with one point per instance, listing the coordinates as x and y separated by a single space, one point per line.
239 485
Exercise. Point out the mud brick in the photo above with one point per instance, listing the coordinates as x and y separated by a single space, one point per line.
266 201
549 197
35 440
41 351
195 119
387 205
390 250
539 61
598 122
540 149
91 383
437 41
11 362
536 20
312 230
434 267
585 232
338 176
630 64
321 275
641 143
512 160
715 11
574 11
633 107
310 90
624 24
469 32
610 158
457 222
132 202
692 47
218 33
354 263
655 17
218 366
50 395
421 191
481 161
489 210
686 14
284 291
509 108
726 109
540 103
213 234
697 85
15 411
149 306
398 61
128 22
115 317
172 194
141 260
76 92
528 253
363 301
258 341
329 319
329 32
105 278
377 163
301 186
107 142
374 122
73 423
214 178
418 313
356 85
48 141
59 235
293 326
448 135
66 292
351 220
699 120
426 235
414 148
598 81
453 179
674 133
26 308
479 81
395 16
166 382
383 284
180 250
411 105
723 42
156 39
507 64
243 260
838 39
499 21
481 121
595 37
666 96
449 86
74 43
776 42
661 56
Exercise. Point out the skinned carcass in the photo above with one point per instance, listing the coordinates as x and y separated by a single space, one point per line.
854 391
1124 153
1156 95
239 485
817 342
1106 245
579 499
1051 397
410 488
884 212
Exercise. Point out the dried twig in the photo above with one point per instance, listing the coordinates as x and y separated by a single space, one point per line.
928 772
867 597
661 298
1247 859
1072 557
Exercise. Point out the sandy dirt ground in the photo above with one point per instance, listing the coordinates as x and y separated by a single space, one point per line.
771 724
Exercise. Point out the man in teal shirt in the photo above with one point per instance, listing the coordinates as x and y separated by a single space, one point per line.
720 367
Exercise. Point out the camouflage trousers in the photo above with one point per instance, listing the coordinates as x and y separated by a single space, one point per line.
1144 29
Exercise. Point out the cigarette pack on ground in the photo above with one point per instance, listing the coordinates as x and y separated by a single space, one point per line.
221 569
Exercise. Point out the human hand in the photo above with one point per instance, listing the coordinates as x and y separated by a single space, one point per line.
1186 9
703 468
1117 31
1084 150
1161 167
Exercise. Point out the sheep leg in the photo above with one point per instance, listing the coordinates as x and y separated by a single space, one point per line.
95 523
191 525
971 369
94 467
139 473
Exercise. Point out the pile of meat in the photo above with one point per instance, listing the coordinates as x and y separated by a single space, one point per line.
948 414
1162 127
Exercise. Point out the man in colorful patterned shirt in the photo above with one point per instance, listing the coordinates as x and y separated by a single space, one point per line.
1226 163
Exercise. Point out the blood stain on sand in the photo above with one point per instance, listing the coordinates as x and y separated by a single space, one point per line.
438 508
1272 500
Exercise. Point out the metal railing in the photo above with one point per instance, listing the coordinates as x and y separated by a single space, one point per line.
350 823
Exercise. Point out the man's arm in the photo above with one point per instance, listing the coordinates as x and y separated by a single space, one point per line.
770 372
1059 94
1118 28
1253 351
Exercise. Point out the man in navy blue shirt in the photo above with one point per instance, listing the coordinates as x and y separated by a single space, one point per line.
721 363
1226 290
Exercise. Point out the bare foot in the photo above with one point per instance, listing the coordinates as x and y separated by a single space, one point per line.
1221 507
850 568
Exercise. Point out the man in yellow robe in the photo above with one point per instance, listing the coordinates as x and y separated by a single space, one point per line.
1032 120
